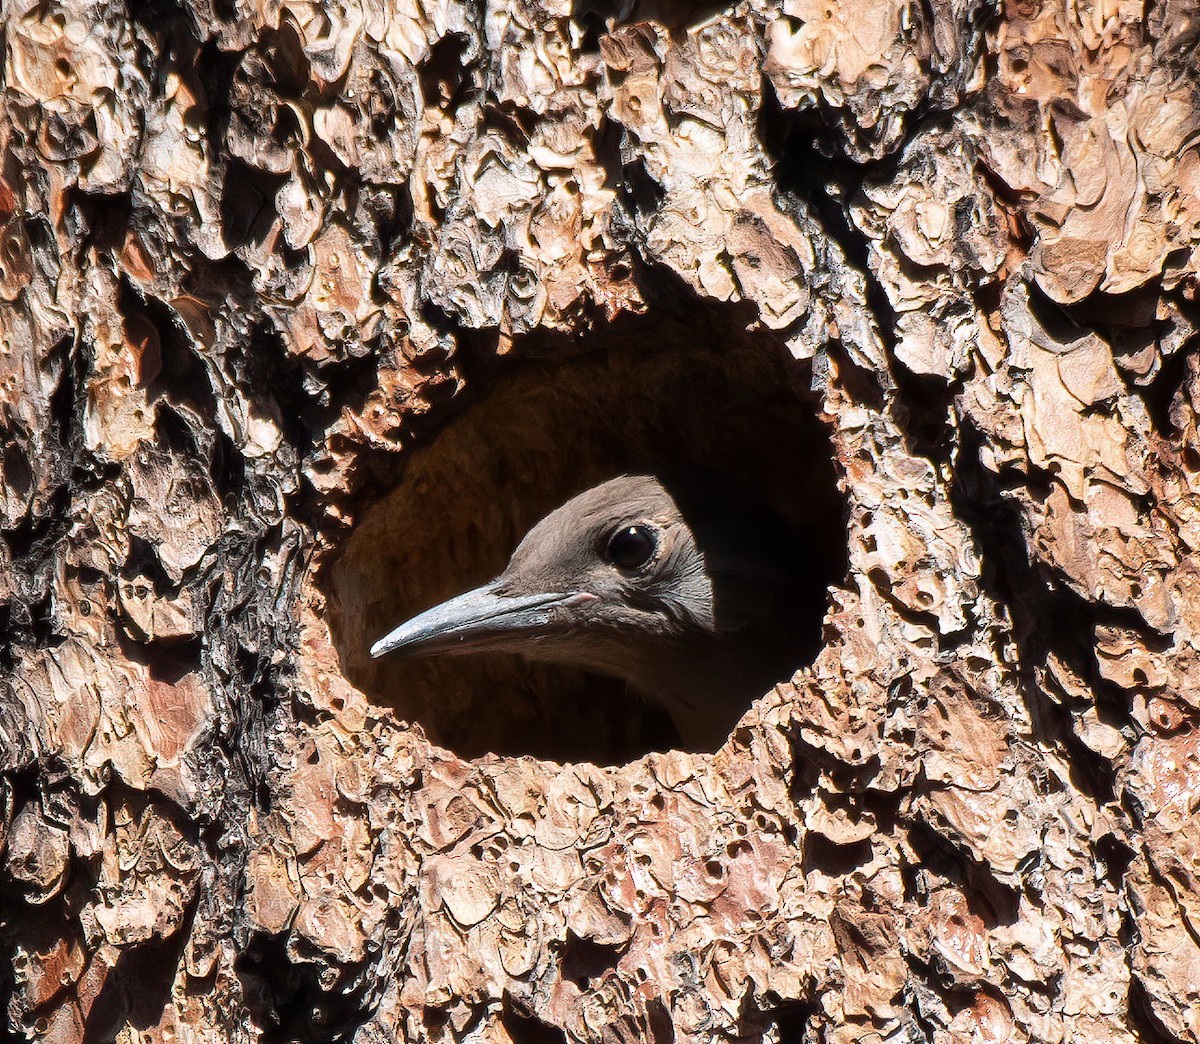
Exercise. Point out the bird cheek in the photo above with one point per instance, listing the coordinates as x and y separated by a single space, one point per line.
577 610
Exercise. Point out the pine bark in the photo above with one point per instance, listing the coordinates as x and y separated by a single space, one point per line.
309 310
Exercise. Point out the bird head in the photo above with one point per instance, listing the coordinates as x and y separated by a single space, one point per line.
616 566
681 590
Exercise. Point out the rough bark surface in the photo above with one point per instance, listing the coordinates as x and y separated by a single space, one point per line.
310 308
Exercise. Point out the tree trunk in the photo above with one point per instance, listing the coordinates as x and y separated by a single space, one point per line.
311 310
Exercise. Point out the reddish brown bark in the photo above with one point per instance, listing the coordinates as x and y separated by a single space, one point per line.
308 311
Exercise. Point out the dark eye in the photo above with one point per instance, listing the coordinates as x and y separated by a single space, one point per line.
631 547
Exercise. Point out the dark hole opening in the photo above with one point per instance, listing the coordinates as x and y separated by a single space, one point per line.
729 401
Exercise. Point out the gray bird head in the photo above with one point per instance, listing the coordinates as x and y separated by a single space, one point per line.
628 579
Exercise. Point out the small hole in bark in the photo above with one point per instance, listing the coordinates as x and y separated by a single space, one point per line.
18 475
248 204
443 73
833 858
584 960
658 397
524 1027
1115 856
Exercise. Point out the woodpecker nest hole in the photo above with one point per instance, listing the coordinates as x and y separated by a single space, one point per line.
732 403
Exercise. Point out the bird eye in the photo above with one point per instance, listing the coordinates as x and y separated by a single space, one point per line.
631 547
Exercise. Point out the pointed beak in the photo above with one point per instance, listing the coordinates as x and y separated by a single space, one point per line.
483 619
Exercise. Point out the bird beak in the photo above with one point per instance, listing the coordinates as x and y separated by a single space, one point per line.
481 619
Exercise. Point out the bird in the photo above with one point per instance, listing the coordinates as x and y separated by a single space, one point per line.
686 589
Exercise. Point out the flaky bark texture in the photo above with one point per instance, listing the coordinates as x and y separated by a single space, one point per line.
309 310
